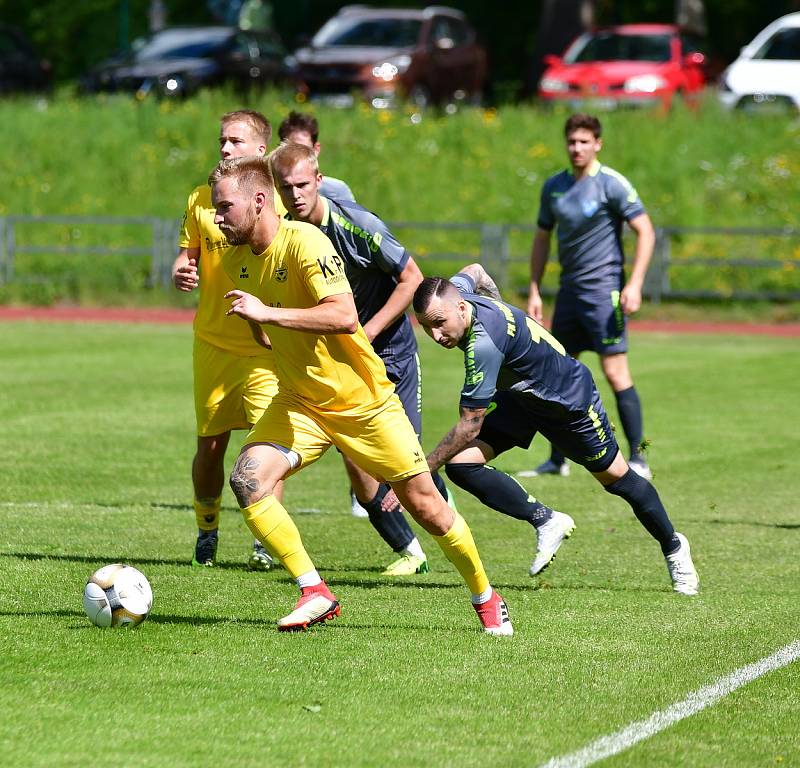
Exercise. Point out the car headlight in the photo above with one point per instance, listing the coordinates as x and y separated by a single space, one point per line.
388 70
291 63
644 84
553 84
172 85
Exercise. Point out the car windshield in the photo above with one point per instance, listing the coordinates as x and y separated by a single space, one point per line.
392 33
610 46
183 43
782 46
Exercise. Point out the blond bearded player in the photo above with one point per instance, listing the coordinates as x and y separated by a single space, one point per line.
234 377
333 390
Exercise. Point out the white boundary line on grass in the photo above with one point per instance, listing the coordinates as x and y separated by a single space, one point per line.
606 746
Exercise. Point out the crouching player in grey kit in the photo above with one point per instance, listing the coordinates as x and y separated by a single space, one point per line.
520 381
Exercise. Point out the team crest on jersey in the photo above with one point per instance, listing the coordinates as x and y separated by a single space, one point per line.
281 273
243 274
589 207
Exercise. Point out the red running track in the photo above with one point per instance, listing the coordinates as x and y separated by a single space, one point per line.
139 315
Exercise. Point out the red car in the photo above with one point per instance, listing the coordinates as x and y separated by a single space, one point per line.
630 64
384 55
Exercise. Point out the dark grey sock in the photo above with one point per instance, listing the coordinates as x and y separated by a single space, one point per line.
647 507
392 525
499 491
630 416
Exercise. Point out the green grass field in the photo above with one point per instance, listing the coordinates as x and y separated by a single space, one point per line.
96 441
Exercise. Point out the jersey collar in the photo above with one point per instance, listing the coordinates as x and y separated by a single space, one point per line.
594 169
326 212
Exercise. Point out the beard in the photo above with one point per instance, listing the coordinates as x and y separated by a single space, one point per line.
241 234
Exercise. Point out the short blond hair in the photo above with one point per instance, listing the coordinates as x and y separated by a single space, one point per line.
250 173
287 155
258 124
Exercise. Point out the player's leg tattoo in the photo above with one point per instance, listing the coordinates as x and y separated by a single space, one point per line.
244 480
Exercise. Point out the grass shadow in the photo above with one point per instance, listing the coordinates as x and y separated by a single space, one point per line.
134 561
270 623
346 579
151 619
335 581
781 526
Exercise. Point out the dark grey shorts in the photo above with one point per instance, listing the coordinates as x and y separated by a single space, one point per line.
583 436
590 321
404 373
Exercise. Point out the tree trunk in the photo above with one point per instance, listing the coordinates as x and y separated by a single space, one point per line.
690 15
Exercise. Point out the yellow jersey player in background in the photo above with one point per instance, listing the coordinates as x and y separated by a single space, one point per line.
332 390
234 378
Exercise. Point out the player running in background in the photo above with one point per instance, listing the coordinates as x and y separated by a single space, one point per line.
332 390
234 376
383 278
588 206
520 381
303 128
300 128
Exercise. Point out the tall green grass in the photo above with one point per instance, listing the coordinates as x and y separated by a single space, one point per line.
113 155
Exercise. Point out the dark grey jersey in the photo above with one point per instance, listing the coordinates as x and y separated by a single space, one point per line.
588 217
373 262
505 349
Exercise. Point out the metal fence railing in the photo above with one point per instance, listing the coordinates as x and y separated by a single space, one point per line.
747 263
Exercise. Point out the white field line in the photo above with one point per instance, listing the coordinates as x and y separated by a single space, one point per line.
696 701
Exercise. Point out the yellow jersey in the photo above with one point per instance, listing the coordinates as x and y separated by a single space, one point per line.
330 373
198 230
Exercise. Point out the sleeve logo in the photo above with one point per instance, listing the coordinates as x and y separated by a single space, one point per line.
328 270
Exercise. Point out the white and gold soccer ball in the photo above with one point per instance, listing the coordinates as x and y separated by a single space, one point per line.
117 596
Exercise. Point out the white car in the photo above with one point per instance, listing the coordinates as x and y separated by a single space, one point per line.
767 72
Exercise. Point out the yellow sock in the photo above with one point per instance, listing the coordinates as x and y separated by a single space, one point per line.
271 525
459 548
207 513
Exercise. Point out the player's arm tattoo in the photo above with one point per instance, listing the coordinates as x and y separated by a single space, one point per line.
244 480
484 285
458 438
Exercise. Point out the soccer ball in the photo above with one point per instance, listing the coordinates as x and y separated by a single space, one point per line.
117 596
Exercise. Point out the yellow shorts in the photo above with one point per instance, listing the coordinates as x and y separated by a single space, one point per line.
230 391
381 442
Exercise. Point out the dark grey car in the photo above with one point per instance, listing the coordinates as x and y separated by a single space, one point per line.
179 60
